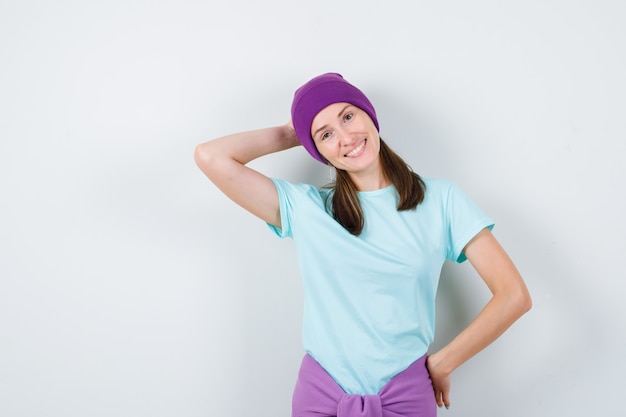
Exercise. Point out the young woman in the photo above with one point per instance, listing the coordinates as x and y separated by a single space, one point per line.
370 248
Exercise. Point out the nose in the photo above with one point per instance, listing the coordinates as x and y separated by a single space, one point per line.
346 138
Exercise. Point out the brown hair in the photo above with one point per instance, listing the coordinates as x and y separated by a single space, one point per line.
345 205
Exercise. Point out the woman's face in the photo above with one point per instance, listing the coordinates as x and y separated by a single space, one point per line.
346 136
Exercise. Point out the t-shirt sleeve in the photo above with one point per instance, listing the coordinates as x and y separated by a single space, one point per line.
284 202
464 220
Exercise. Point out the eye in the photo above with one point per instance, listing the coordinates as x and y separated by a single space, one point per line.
348 116
325 135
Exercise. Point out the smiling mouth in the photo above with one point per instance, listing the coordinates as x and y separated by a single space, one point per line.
356 151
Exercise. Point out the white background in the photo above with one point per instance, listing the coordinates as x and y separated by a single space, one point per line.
129 286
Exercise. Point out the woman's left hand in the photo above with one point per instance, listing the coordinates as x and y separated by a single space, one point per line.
440 380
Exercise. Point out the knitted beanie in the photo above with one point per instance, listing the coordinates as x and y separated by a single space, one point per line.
316 95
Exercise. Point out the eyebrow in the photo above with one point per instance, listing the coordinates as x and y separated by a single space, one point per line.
325 126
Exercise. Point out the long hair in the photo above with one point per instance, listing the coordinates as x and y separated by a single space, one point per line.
345 205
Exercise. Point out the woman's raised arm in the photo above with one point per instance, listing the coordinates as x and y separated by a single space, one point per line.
223 161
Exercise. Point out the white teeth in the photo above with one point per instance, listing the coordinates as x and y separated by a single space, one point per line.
356 150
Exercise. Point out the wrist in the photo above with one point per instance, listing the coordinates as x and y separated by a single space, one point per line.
289 135
437 364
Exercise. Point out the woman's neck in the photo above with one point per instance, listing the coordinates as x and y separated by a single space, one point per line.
370 181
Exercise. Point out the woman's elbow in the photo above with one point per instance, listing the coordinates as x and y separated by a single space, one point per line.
201 155
206 159
523 301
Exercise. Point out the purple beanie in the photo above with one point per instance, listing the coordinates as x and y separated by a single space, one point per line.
317 94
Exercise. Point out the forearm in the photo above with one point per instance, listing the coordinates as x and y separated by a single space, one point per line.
497 316
244 147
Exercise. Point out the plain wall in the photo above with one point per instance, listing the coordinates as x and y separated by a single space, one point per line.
130 286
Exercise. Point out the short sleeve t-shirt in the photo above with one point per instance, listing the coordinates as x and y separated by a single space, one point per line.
369 300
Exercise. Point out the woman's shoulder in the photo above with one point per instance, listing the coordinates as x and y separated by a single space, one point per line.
441 190
300 189
281 182
437 185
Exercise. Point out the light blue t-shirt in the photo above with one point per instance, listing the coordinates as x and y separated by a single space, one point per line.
369 300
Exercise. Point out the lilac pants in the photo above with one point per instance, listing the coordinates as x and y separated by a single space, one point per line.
408 394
